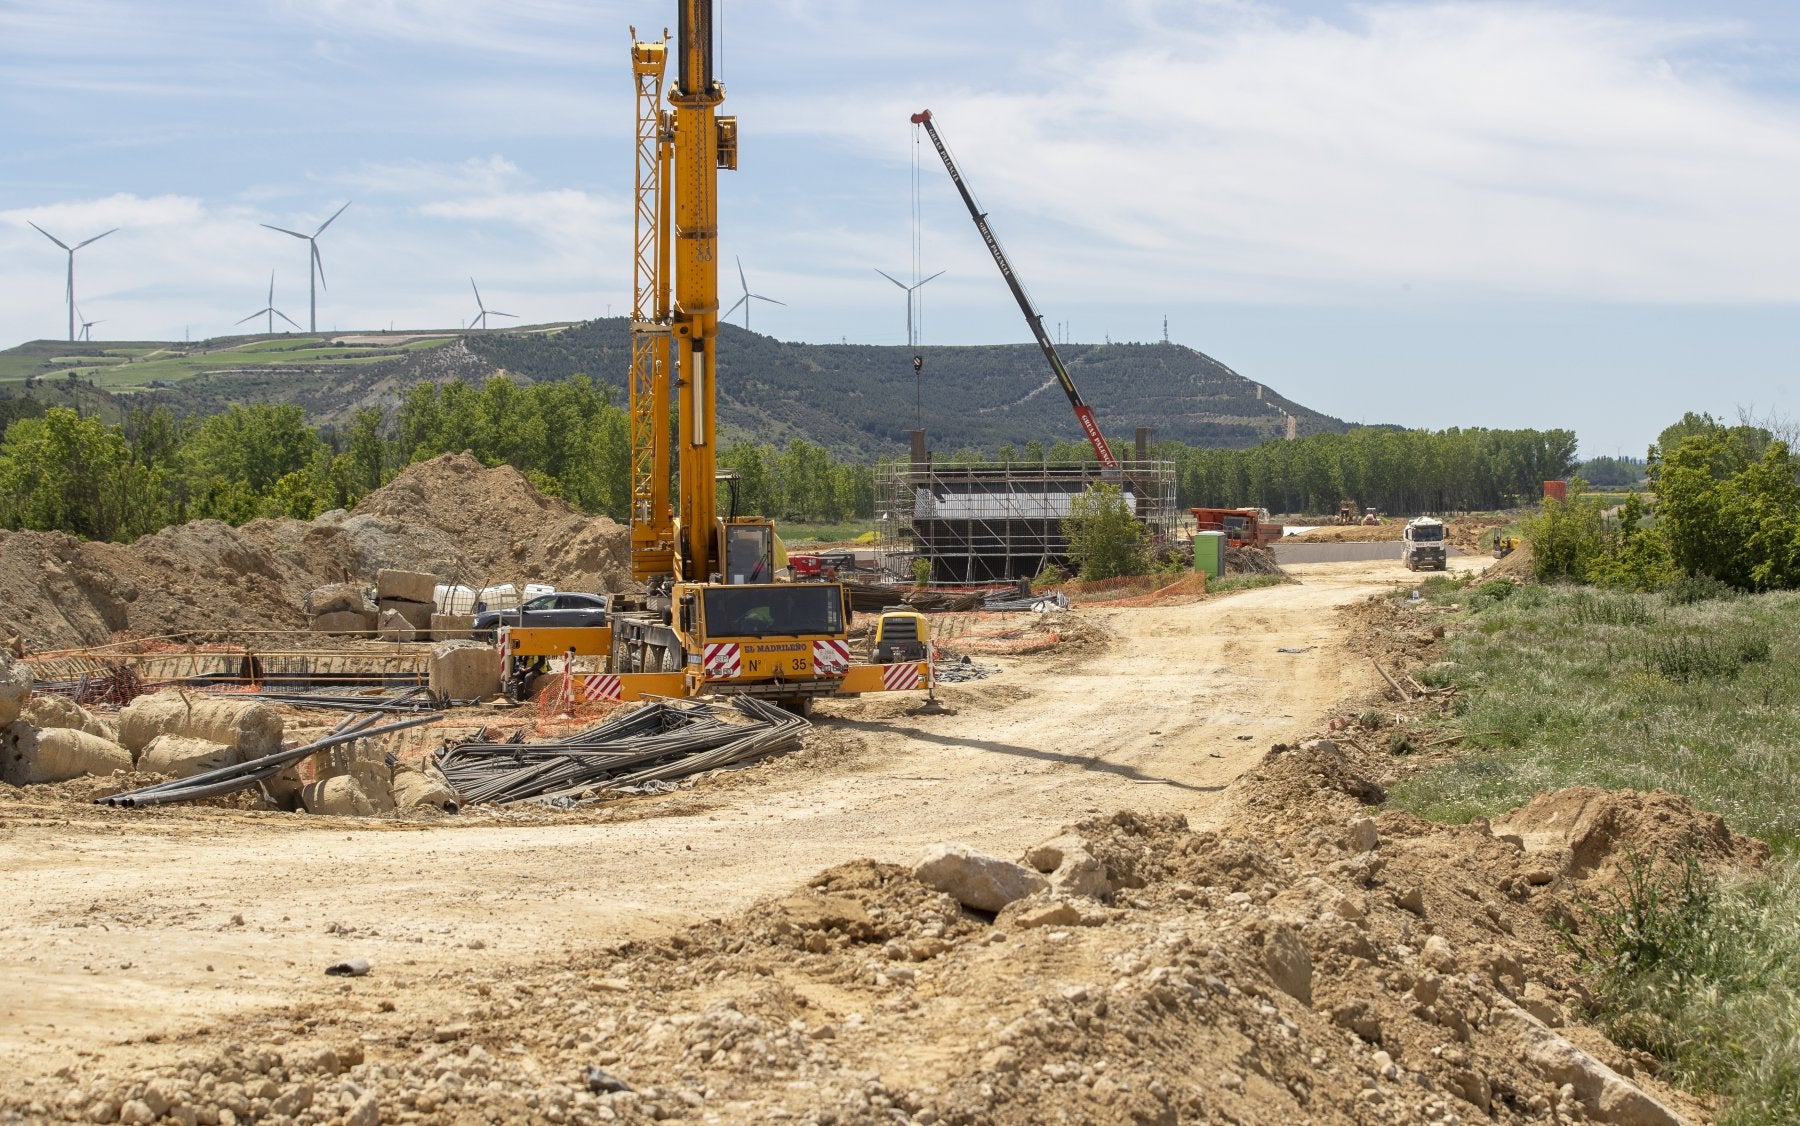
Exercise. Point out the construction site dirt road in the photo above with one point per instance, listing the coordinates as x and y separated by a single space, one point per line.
130 926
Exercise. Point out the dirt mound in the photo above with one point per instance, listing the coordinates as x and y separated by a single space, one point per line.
1471 533
1584 833
1346 970
451 516
1516 566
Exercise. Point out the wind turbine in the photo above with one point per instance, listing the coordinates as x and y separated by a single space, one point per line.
270 309
87 327
486 312
70 291
912 332
912 341
745 299
315 267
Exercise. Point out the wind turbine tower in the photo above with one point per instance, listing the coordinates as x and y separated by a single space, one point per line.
270 310
486 312
912 340
315 268
70 290
747 297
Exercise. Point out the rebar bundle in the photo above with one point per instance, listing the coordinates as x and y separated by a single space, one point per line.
658 742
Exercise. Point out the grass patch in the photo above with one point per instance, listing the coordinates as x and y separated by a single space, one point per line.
795 533
1564 686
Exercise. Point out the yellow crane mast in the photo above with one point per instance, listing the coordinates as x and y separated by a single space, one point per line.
713 618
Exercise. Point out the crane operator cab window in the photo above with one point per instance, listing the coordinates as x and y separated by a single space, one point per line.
776 610
749 554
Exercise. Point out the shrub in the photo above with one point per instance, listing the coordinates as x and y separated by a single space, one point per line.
1106 540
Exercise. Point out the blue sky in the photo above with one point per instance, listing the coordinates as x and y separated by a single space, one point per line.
1498 214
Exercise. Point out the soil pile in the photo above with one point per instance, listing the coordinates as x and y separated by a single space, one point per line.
1471 533
451 516
1312 964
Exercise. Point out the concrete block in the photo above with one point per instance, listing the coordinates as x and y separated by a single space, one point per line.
178 756
417 614
29 756
60 711
410 585
464 670
344 622
452 627
394 627
252 728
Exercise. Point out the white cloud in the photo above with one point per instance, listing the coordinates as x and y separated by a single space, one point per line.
1465 150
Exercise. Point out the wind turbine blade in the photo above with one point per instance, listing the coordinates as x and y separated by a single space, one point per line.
251 317
96 238
939 274
891 278
498 313
285 231
285 317
742 284
477 290
48 235
331 220
271 289
734 308
320 263
770 300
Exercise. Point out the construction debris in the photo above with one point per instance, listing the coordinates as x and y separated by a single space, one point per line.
1055 600
15 687
1252 561
244 775
30 757
245 725
658 742
464 670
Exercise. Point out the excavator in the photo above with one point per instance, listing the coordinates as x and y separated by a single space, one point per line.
713 618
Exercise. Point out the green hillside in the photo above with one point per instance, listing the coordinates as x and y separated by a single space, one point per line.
857 400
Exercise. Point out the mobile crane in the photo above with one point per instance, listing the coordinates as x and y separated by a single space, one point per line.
713 619
1083 413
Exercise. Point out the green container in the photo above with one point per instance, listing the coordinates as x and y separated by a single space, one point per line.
1209 553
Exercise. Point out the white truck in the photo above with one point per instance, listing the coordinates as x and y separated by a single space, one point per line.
1424 548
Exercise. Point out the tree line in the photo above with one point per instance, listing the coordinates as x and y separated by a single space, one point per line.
61 470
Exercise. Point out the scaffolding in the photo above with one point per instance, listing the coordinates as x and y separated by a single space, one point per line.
994 523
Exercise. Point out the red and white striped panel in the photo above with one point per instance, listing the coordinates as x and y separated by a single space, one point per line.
501 641
900 678
831 658
722 659
605 686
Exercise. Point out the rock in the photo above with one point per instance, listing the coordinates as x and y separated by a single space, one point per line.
30 757
1473 1087
1412 899
1361 836
395 627
1288 963
464 670
345 622
136 1112
417 614
253 729
60 711
1071 868
15 687
413 586
416 788
1438 955
1053 913
177 756
366 1111
1603 1093
452 627
1359 1018
338 797
975 879
445 1033
339 598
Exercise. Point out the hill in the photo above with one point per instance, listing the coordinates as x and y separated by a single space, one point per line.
857 400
